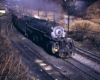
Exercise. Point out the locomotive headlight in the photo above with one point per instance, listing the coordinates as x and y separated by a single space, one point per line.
55 48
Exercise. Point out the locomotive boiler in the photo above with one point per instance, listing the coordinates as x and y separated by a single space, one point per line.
48 34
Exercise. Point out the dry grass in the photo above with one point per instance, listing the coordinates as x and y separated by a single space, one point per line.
88 32
96 20
11 65
94 26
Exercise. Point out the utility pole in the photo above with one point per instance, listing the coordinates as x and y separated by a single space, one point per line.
0 26
66 6
68 22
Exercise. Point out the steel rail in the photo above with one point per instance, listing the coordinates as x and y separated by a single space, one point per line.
82 70
85 67
95 71
93 56
58 74
18 47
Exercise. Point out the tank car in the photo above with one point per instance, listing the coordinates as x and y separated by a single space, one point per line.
49 34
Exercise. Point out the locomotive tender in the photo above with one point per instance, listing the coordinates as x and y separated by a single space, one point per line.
47 33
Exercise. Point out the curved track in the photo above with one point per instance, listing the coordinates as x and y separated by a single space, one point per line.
38 60
83 74
48 70
38 71
82 69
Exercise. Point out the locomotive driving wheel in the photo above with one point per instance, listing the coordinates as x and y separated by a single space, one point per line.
55 48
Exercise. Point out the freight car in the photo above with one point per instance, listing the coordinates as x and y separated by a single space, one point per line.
47 33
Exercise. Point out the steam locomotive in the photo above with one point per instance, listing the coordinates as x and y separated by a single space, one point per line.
47 33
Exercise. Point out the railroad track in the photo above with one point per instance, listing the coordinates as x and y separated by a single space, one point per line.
72 77
5 16
89 55
83 74
84 69
15 46
93 76
86 74
52 72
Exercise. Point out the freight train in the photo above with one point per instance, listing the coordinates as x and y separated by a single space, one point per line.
49 34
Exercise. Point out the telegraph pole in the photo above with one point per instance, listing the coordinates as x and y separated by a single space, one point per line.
0 26
66 6
68 20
